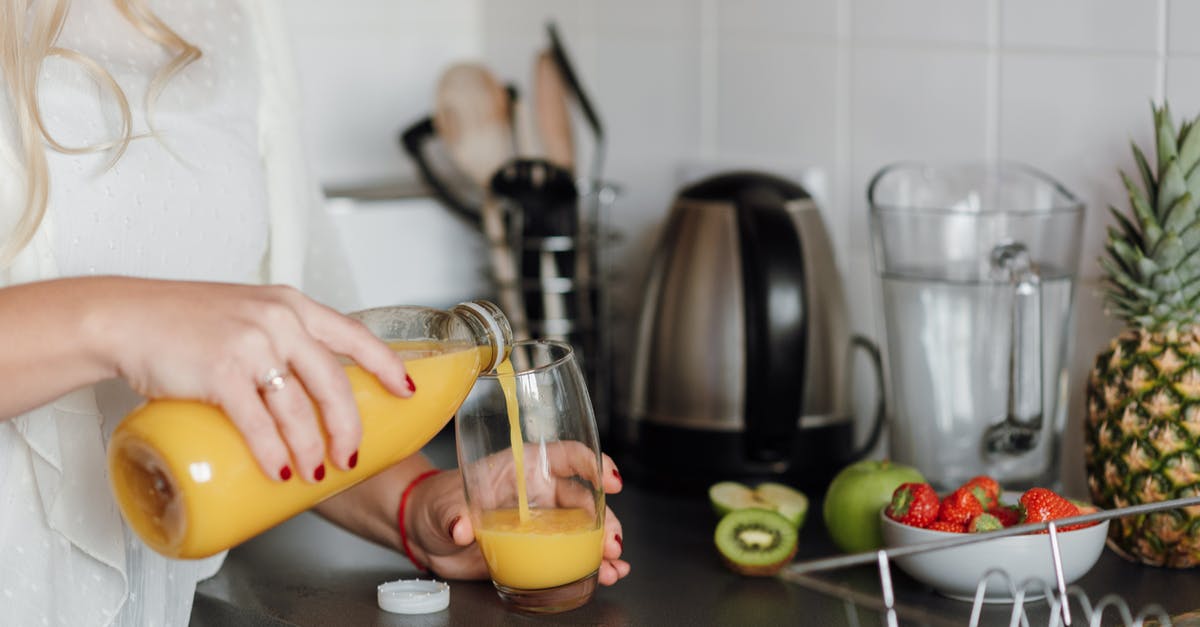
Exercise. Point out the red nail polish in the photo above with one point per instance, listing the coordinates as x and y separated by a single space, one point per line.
412 387
353 460
319 473
285 473
620 543
453 524
617 474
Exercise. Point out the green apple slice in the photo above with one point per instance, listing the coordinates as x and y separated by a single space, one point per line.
728 496
789 502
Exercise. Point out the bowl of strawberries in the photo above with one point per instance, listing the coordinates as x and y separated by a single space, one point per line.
919 515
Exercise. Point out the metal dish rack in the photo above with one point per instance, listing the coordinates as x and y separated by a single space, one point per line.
1058 596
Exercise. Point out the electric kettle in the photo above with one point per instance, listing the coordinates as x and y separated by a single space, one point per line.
743 352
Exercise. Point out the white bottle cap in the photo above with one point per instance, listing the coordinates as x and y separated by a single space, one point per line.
414 596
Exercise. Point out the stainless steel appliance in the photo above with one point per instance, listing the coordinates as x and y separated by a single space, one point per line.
743 350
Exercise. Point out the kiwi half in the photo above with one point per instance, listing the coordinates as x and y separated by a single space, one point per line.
755 541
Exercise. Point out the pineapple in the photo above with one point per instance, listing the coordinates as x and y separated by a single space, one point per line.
1143 395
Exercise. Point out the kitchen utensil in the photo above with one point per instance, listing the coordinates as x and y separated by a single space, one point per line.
472 117
977 263
420 141
531 466
553 117
956 572
567 71
742 353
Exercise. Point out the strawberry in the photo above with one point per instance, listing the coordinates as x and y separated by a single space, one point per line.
986 489
960 507
1008 515
1042 504
945 525
984 522
914 504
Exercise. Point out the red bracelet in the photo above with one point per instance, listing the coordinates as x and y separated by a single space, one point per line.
403 504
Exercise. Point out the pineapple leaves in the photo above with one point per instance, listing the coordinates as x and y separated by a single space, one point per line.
1129 232
1171 187
1141 211
1180 215
1189 148
1169 252
1148 178
1164 140
1122 279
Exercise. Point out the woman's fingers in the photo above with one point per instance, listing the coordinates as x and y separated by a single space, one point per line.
614 542
609 475
246 410
612 571
346 336
297 424
612 568
325 382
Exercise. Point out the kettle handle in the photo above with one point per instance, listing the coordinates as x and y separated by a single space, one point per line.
776 322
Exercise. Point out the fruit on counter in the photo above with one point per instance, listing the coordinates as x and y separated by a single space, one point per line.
961 511
854 498
1143 393
728 496
1008 515
914 503
946 525
960 507
986 489
1041 505
755 542
984 522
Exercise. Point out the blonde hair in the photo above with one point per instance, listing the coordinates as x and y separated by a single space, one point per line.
29 31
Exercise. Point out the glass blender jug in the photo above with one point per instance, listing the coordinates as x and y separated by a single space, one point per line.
977 264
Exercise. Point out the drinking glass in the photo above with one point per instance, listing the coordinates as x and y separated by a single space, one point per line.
977 263
530 460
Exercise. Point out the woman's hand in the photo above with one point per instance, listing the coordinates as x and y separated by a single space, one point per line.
441 535
220 343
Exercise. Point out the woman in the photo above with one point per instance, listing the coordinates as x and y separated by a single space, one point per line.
163 145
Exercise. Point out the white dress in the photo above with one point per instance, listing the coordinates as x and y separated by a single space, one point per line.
221 195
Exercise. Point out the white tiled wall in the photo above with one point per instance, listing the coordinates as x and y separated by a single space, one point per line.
846 85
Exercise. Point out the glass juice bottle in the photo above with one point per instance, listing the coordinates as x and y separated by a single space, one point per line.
185 479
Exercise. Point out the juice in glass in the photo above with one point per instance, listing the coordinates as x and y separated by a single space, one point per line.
553 547
541 531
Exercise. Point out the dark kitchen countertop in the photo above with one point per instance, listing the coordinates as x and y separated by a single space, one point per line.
309 572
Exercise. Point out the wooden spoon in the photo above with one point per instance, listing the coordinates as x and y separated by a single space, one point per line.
553 116
473 118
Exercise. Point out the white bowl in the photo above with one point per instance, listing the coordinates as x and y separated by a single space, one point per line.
956 572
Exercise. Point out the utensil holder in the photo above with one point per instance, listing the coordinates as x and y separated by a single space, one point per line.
563 285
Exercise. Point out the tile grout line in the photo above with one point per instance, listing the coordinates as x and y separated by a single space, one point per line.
992 138
1160 80
709 75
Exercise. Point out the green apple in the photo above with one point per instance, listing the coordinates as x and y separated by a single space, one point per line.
854 498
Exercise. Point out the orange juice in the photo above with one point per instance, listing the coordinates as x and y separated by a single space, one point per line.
553 547
508 384
186 481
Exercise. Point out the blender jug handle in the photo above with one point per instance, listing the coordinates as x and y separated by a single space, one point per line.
776 322
1019 431
872 350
